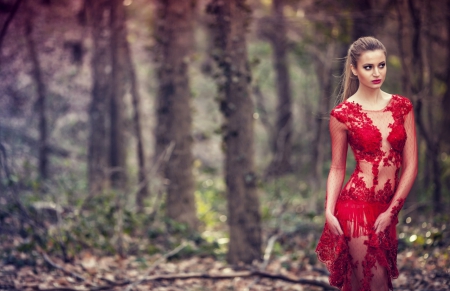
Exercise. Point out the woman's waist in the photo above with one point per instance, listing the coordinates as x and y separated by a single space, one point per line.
359 211
372 168
358 204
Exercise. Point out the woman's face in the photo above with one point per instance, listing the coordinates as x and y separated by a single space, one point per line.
371 69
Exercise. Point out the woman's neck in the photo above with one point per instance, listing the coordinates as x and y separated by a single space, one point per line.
369 96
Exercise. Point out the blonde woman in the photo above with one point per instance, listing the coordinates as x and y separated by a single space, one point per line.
359 240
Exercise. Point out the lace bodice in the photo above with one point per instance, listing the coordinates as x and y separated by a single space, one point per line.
377 139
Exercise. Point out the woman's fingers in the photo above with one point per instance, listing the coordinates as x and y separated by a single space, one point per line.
375 226
337 227
336 231
334 225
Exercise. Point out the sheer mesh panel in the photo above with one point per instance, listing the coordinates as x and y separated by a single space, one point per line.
384 145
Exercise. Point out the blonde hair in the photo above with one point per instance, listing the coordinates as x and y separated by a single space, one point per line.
349 82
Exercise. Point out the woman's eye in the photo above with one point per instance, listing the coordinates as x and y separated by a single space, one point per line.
367 67
382 65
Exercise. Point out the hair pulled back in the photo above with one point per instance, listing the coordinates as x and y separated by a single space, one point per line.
349 82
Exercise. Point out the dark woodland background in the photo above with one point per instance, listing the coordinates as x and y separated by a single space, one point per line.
131 127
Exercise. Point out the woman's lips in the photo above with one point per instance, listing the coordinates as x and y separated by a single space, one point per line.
376 81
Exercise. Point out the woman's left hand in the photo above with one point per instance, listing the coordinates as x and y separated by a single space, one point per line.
382 222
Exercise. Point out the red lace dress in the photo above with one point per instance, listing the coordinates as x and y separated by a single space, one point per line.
383 142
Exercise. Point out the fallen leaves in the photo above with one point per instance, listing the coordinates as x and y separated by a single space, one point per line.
196 273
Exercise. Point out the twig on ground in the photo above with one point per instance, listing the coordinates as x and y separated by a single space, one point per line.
155 264
267 255
56 266
62 289
268 251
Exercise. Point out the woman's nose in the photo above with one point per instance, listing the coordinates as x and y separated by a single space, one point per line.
376 72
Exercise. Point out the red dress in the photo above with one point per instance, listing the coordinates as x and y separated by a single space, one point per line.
383 142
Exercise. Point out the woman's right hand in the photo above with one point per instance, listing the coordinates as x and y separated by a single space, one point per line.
333 223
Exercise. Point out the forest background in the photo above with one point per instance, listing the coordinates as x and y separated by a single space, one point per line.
133 132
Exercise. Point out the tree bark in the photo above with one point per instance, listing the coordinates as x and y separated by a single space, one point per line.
117 153
99 15
174 36
41 99
229 25
282 144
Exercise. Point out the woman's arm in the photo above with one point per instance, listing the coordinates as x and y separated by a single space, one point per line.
409 173
338 133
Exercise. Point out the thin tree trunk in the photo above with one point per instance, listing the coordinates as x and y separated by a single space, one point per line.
282 144
446 98
41 100
136 100
324 69
261 108
418 87
174 34
117 154
416 46
98 152
428 73
8 21
413 82
229 25
402 35
437 171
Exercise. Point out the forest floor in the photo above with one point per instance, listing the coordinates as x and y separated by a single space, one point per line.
419 270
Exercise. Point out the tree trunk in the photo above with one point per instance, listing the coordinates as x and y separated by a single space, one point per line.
41 100
230 20
117 153
136 100
174 36
402 36
416 46
446 98
282 145
98 152
324 70
414 82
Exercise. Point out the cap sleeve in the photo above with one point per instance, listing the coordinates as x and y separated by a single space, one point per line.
401 106
339 113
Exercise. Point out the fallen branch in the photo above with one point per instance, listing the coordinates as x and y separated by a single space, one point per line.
56 266
155 264
62 289
241 274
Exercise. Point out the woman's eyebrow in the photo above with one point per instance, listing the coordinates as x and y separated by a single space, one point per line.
370 64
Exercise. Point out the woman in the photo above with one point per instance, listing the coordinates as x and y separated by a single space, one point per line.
359 242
